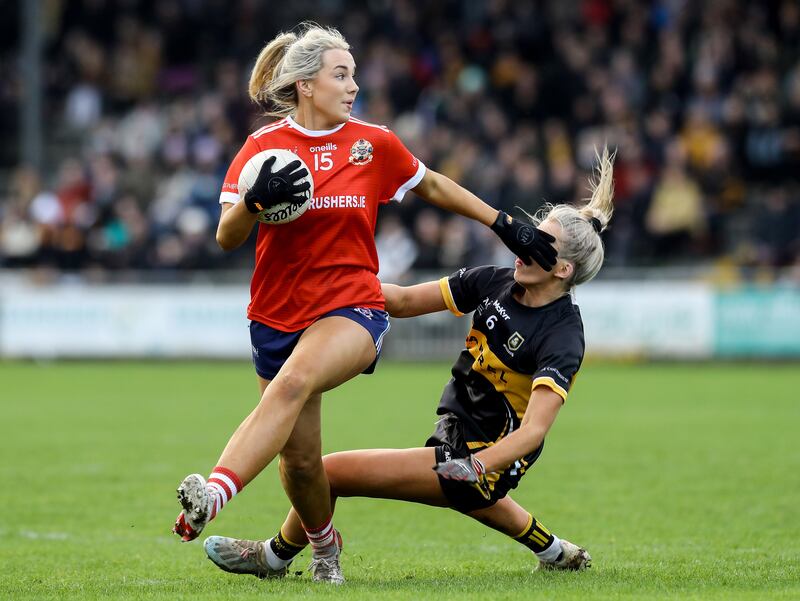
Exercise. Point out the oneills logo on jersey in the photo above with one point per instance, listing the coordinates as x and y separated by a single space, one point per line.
325 147
361 152
514 342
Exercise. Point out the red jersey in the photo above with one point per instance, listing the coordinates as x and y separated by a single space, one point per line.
325 259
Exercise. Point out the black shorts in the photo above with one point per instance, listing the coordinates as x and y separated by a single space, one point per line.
452 439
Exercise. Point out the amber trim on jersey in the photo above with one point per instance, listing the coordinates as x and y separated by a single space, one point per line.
551 384
514 386
447 295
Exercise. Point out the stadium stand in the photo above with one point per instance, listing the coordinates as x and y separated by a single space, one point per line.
145 104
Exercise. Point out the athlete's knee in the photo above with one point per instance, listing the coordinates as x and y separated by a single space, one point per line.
484 516
300 468
291 386
333 464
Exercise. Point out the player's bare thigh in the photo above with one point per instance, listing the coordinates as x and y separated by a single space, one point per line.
403 474
331 351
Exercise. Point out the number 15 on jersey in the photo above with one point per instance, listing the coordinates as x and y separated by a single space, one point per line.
323 161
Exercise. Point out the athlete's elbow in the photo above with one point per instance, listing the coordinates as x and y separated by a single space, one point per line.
394 298
223 243
533 435
227 242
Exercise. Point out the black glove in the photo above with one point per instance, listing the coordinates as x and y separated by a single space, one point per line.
469 469
526 241
272 188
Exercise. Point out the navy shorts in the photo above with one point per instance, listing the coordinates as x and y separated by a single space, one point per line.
271 347
450 441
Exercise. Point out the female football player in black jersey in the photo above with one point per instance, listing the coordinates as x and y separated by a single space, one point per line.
522 353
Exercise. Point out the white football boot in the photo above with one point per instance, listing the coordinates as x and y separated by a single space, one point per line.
197 505
572 557
328 569
242 557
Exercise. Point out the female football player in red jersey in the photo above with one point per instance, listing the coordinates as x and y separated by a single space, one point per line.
316 313
522 354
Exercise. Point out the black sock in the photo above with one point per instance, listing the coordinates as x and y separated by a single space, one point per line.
284 548
535 536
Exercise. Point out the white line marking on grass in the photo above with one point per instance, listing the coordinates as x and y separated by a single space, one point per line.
43 535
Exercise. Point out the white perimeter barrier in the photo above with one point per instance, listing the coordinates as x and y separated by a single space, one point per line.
654 319
124 321
650 319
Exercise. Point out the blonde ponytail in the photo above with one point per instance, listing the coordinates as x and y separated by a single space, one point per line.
267 65
580 242
601 204
287 59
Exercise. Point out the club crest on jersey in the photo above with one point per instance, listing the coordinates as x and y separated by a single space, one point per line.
361 152
514 342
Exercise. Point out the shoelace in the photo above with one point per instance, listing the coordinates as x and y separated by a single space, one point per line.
328 564
251 553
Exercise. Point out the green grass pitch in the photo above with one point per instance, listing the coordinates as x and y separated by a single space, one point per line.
682 481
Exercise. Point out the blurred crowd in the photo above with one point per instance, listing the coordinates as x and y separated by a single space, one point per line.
145 105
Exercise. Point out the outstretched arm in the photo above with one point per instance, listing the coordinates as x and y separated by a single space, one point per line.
523 239
443 192
410 301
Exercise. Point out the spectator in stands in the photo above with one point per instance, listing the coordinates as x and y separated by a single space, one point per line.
511 100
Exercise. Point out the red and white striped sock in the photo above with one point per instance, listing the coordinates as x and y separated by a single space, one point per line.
322 539
223 484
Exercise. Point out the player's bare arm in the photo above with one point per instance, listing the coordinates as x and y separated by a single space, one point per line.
410 301
525 241
235 225
443 192
539 417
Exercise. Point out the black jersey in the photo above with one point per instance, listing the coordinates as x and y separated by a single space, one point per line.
510 349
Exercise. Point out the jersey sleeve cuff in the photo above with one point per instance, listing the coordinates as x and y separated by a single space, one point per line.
447 295
230 197
551 384
417 178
